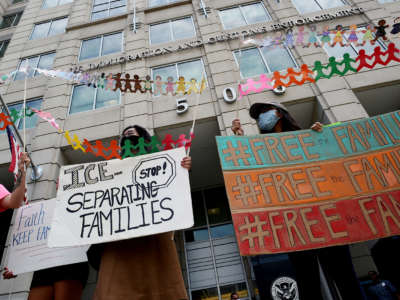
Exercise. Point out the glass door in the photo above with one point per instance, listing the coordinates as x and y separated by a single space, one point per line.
215 267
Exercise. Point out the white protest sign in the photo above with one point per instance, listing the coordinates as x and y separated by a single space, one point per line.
28 249
120 199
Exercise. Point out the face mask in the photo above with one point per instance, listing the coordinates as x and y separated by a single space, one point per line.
134 139
267 121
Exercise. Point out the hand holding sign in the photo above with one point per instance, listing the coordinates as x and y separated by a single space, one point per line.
121 199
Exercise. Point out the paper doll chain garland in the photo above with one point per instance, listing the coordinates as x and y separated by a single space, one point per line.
320 71
377 58
312 37
98 149
125 83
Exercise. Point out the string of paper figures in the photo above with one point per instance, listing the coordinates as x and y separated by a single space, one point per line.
319 71
98 149
356 36
378 57
124 83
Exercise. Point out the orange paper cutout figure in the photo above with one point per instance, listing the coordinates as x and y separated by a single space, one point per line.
5 120
305 72
277 79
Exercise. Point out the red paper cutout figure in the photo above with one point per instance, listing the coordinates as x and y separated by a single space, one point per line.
183 142
378 57
362 59
391 51
6 121
167 142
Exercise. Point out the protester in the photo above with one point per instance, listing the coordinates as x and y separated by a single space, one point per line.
16 198
59 283
381 289
273 117
234 296
145 268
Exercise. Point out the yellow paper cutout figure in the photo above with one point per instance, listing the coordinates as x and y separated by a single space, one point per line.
181 89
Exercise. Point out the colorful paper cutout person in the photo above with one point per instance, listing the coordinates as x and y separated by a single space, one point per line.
158 85
300 36
170 86
368 35
338 36
381 30
396 26
181 86
312 37
326 36
353 38
148 85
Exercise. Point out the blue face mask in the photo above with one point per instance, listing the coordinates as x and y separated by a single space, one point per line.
267 121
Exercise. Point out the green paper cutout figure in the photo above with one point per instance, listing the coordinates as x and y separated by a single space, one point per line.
333 65
15 115
126 148
141 145
347 60
31 112
154 143
319 68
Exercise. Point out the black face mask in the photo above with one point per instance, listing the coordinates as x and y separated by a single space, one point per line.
133 138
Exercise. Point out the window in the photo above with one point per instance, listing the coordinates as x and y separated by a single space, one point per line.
307 6
101 45
42 61
190 69
244 15
32 120
53 3
3 47
49 28
86 98
350 48
172 31
10 20
107 8
255 61
161 2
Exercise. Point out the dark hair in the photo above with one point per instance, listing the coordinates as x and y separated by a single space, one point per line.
140 130
234 293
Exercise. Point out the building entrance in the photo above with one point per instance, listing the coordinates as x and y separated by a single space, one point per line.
215 268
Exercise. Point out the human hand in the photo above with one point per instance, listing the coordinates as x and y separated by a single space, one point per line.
317 126
236 127
23 160
8 274
186 162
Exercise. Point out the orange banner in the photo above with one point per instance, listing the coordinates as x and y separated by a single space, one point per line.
350 177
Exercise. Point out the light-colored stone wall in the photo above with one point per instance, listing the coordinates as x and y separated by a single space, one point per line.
329 100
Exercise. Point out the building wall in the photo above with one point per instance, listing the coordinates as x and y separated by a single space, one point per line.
329 100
